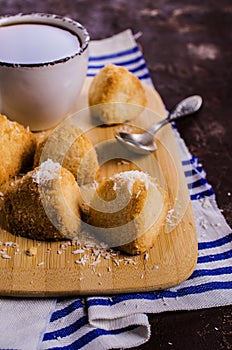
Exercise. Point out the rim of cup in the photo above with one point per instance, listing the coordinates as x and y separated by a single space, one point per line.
66 23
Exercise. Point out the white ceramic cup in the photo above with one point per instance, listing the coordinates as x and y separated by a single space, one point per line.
41 94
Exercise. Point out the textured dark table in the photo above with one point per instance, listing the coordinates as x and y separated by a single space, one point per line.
187 45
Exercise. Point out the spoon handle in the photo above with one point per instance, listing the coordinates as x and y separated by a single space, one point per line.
185 107
153 130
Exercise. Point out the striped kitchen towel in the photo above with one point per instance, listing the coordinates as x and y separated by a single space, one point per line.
121 320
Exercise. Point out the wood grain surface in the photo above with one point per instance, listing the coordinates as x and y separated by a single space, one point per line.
54 270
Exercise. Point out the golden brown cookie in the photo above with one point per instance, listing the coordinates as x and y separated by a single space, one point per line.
127 211
70 147
43 204
120 95
17 146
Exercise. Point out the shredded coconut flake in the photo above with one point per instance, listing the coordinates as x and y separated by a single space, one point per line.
6 256
205 203
78 251
204 224
47 171
171 217
146 256
9 244
129 177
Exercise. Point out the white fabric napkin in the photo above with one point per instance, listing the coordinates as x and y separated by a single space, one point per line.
121 321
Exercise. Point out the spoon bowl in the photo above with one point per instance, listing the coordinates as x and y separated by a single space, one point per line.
137 142
144 142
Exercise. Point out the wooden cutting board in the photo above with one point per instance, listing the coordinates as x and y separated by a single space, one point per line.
58 269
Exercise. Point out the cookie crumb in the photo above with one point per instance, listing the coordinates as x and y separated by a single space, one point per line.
32 251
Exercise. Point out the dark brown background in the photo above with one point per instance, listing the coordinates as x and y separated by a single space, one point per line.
187 46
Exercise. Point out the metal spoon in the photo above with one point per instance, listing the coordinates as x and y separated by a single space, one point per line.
144 142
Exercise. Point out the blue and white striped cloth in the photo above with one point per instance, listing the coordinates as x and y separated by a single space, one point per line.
121 320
